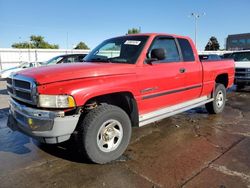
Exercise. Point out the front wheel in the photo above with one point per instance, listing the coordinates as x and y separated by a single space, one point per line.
218 104
104 133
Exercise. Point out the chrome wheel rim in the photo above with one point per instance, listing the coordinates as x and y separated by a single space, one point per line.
109 135
219 99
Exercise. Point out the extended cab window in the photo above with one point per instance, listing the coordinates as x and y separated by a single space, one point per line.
186 49
169 45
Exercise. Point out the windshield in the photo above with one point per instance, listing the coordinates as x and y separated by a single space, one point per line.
54 60
118 50
241 56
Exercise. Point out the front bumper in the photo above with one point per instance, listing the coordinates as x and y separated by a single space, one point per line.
46 126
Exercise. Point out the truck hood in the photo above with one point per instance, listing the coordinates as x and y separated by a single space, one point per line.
242 64
62 72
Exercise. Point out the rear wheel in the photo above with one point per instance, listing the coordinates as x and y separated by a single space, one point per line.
218 104
104 133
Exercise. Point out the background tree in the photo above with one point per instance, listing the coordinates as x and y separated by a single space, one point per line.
82 45
134 31
212 44
36 41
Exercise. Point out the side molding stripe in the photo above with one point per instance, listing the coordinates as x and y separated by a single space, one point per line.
170 92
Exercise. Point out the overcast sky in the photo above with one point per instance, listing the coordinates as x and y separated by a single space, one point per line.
96 20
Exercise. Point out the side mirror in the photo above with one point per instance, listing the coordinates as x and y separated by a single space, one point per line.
156 54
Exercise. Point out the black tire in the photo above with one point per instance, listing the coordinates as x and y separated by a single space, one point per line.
240 86
218 104
90 125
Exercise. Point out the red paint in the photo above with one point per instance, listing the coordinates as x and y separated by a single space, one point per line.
87 80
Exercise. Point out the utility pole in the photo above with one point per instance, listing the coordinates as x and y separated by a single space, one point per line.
196 17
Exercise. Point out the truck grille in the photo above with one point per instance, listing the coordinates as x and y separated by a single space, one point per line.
22 88
22 84
242 73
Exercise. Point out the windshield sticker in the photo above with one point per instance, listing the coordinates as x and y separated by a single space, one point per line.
132 42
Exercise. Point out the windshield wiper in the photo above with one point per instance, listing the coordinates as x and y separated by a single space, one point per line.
110 60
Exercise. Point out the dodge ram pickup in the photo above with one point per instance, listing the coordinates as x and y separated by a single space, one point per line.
125 82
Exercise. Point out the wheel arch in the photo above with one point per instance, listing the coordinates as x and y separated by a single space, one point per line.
125 100
222 79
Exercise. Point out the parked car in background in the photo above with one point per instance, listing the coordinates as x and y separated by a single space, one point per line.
68 58
7 72
212 57
242 68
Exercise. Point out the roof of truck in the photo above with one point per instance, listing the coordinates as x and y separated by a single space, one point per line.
156 34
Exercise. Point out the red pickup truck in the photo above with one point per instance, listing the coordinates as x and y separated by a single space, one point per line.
125 82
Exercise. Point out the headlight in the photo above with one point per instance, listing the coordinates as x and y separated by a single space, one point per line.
56 101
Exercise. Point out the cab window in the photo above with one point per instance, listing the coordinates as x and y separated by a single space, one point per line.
170 48
186 49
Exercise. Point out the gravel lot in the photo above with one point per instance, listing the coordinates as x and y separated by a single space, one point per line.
192 149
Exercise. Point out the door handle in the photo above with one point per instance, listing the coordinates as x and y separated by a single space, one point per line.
182 70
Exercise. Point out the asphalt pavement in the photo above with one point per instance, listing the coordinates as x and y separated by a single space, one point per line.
192 149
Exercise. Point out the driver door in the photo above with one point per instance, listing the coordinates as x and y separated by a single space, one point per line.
161 82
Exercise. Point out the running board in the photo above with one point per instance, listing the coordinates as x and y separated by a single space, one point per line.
172 110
